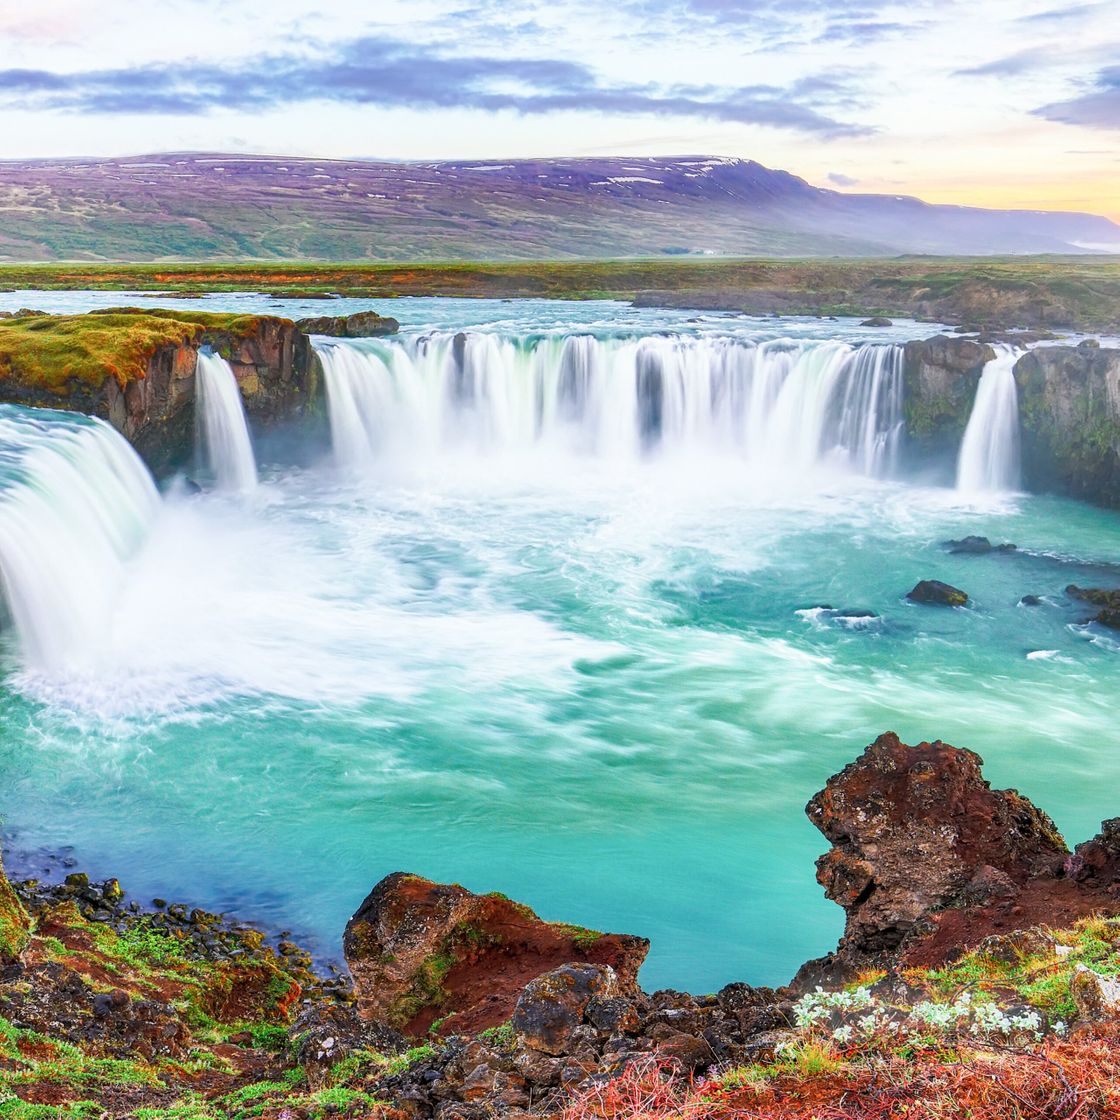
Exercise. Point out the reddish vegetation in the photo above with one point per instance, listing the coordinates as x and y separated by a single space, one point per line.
1077 1079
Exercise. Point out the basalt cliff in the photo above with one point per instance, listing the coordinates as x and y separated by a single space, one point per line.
136 369
976 976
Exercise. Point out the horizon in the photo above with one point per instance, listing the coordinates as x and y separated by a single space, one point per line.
253 156
997 107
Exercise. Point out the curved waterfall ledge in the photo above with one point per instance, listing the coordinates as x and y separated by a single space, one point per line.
76 503
782 405
878 410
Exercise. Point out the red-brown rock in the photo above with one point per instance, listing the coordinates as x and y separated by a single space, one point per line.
1097 861
421 951
914 830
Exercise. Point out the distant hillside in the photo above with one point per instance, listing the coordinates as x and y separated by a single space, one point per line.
215 207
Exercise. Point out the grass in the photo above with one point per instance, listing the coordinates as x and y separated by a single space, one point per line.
61 354
831 1067
1085 291
14 922
1039 978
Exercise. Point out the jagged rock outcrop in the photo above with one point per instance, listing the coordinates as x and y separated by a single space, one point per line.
421 951
1069 406
916 830
362 324
941 376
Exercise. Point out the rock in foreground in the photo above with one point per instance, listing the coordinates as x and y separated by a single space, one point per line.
917 829
421 951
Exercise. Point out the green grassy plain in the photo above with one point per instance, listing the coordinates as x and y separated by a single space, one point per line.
1038 292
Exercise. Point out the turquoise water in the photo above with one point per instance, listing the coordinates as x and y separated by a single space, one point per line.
605 692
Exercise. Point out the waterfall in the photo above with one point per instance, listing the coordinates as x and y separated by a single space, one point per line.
989 457
75 504
223 433
782 405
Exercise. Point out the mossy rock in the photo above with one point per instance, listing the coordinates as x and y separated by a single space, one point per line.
15 924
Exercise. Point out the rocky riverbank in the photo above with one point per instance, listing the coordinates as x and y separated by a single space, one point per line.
977 970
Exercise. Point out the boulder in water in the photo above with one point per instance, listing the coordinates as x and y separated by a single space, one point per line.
420 951
877 321
936 593
977 546
1108 601
362 324
1030 601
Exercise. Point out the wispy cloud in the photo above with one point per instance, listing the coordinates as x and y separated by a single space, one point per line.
862 31
395 74
1098 107
841 180
1018 63
1071 14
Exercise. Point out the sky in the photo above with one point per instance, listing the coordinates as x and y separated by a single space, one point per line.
1009 103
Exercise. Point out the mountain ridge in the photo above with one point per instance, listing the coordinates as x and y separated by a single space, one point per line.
220 206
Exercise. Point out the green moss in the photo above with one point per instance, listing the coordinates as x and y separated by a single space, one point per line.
12 1108
409 1058
1040 978
425 990
582 937
501 1036
60 354
939 417
339 1098
15 924
268 1036
64 354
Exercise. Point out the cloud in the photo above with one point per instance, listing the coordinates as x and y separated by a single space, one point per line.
1031 59
1098 107
389 74
1073 13
1047 57
842 180
863 31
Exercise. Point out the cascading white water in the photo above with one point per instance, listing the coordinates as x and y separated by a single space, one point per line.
784 405
989 456
75 504
223 432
